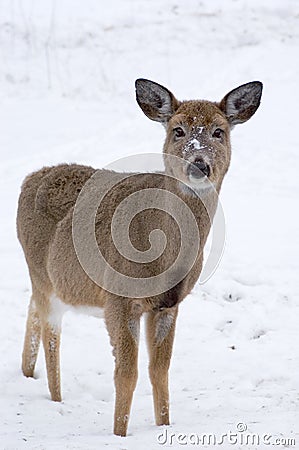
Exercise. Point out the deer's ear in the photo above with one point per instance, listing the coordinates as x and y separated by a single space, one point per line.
157 102
241 103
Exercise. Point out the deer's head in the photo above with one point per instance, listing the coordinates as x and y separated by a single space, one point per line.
198 131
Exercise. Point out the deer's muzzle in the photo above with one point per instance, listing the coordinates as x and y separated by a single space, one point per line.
198 169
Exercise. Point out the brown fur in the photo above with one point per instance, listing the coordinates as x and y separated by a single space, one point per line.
44 224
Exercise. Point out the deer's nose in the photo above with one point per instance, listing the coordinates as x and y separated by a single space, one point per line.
198 169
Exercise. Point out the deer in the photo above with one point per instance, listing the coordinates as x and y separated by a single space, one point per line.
198 136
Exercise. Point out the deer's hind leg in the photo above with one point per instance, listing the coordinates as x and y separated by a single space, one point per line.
43 321
51 343
51 320
32 340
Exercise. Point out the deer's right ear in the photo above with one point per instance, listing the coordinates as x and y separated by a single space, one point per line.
157 102
241 103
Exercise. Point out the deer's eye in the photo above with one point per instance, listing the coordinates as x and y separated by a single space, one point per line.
218 133
178 132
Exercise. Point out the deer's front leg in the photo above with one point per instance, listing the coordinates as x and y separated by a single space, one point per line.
123 324
160 335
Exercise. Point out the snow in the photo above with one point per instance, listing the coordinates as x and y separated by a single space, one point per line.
67 95
196 144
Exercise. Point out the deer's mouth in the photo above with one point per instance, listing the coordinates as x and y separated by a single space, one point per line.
197 175
198 170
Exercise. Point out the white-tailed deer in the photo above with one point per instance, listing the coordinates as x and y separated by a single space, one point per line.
198 135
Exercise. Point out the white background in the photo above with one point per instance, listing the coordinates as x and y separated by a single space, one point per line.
67 72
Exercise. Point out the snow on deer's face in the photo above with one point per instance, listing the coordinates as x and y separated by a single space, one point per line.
197 146
198 134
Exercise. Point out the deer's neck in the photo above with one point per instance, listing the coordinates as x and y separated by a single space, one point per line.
202 203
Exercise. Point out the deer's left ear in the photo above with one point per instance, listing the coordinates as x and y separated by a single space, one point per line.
241 103
157 102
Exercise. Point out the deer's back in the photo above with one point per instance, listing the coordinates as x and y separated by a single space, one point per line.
46 197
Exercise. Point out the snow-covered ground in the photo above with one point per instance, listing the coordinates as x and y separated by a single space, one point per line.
67 71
